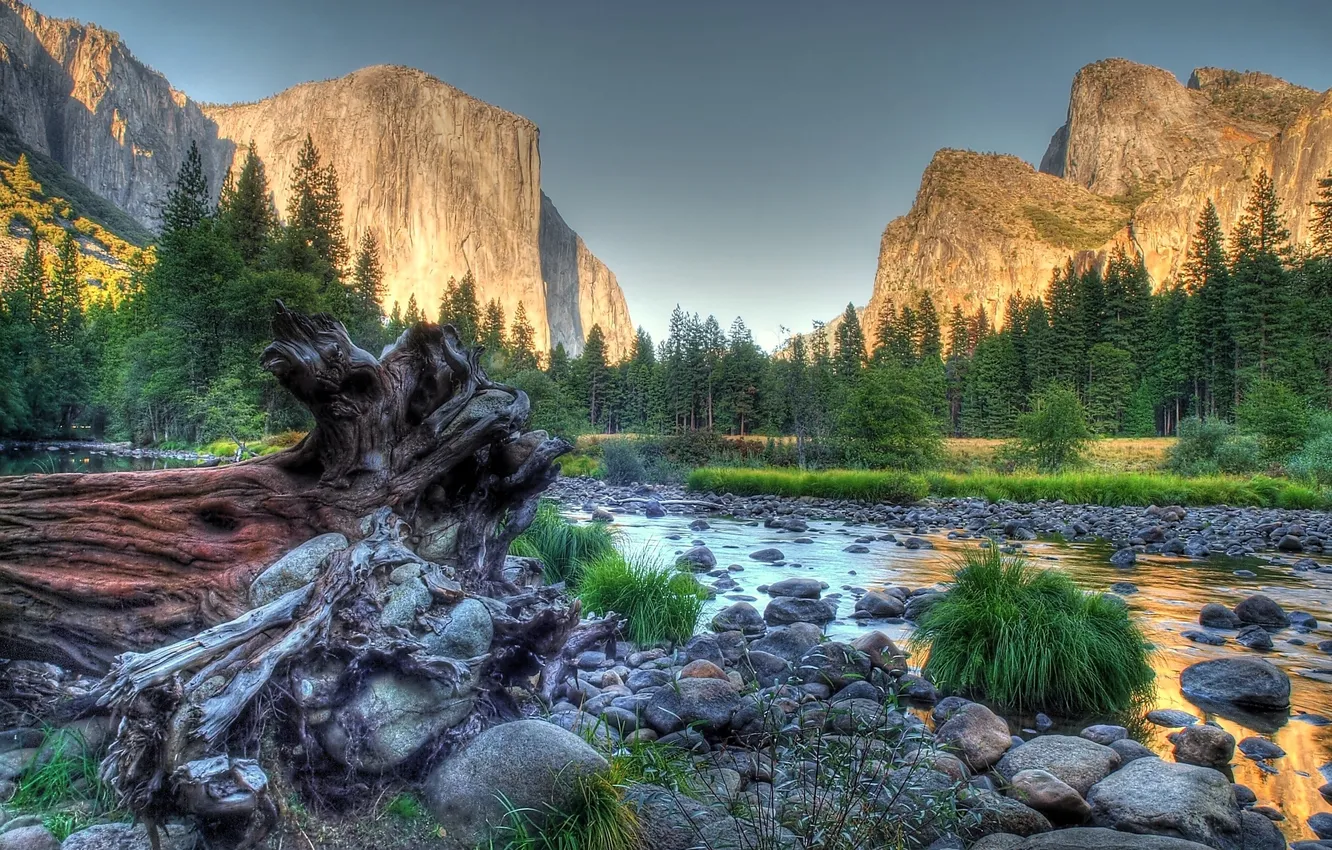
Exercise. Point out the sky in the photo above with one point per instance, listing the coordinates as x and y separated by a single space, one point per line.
736 158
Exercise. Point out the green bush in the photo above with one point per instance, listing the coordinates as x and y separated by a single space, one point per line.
1029 640
1055 432
563 547
899 488
1314 461
1127 488
1239 455
1279 418
657 602
885 423
622 463
579 466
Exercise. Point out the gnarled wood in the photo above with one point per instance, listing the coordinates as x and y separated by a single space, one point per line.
94 565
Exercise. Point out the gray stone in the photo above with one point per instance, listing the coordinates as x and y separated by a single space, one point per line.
834 664
1254 637
1247 682
35 837
468 633
1047 794
1129 750
801 588
404 600
702 704
1171 718
1094 838
1076 761
1261 610
123 836
295 569
1179 800
977 735
699 559
784 610
1123 558
1260 748
994 813
880 605
768 556
789 642
1216 616
741 617
1203 744
527 764
1104 734
919 603
390 718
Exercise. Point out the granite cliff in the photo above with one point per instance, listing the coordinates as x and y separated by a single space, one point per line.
1136 160
448 183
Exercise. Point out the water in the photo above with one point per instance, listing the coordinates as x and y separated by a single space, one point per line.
27 461
1171 592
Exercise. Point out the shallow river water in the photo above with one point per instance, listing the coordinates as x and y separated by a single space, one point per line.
29 461
1171 592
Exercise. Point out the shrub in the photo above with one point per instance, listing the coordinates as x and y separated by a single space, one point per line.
1198 442
1314 461
622 463
563 548
898 488
658 602
579 466
1278 416
1055 432
1026 639
1239 455
885 423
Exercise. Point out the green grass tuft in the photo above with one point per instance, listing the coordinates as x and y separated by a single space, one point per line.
658 602
862 485
1026 639
599 819
63 785
405 806
564 548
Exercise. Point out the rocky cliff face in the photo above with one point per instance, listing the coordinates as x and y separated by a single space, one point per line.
1134 164
448 183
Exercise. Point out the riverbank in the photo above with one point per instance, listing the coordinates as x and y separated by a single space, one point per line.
96 447
1165 529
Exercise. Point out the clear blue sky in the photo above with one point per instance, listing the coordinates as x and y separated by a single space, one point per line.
734 157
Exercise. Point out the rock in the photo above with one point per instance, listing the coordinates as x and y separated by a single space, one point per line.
768 556
667 820
1248 682
1104 734
35 837
1179 800
702 669
946 708
1206 638
1130 750
979 736
918 604
789 642
765 668
1171 718
702 704
699 559
295 569
1044 792
740 617
1254 637
1123 558
1077 762
1124 588
834 664
1260 748
602 515
784 610
468 633
1260 610
883 654
1216 616
1204 745
856 549
800 588
699 525
390 718
123 836
1321 824
1302 620
994 813
652 509
530 764
880 605
1095 838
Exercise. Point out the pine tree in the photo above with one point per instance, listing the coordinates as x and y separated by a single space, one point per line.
883 333
522 341
27 291
904 337
459 308
1210 351
955 369
188 201
594 375
63 304
929 336
850 356
492 329
316 242
246 209
1320 224
1258 312
413 316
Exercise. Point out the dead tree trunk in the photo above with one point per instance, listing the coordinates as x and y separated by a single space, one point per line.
94 565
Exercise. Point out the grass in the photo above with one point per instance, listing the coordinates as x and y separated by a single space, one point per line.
1112 454
1027 639
1095 488
658 602
63 786
599 819
863 485
405 806
580 466
563 547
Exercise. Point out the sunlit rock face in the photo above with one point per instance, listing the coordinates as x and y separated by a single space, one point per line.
1134 164
448 183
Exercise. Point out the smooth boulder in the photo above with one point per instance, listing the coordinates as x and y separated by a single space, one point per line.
740 617
1075 761
1203 745
1248 682
702 704
1049 795
1179 800
785 610
295 569
1260 610
977 735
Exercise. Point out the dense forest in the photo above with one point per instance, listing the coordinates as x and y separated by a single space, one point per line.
170 353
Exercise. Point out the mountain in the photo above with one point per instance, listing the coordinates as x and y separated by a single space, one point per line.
1135 162
448 183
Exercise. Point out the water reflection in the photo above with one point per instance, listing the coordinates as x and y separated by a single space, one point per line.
1170 593
31 461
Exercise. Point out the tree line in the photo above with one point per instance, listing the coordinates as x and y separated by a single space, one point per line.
175 356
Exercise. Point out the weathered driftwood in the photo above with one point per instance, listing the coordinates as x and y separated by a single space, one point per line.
94 565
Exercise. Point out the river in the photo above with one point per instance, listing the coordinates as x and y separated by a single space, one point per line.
1170 593
28 460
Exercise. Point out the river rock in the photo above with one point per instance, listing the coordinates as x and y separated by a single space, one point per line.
527 764
1206 638
124 836
1261 610
35 837
1216 616
1129 750
789 642
784 610
1248 682
1321 824
768 556
740 617
1254 637
652 509
918 604
1047 794
1104 733
882 652
879 605
702 704
994 813
834 664
1090 838
979 736
295 569
699 559
1075 761
1171 718
1203 745
1123 558
390 718
1260 748
467 634
800 588
1179 800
